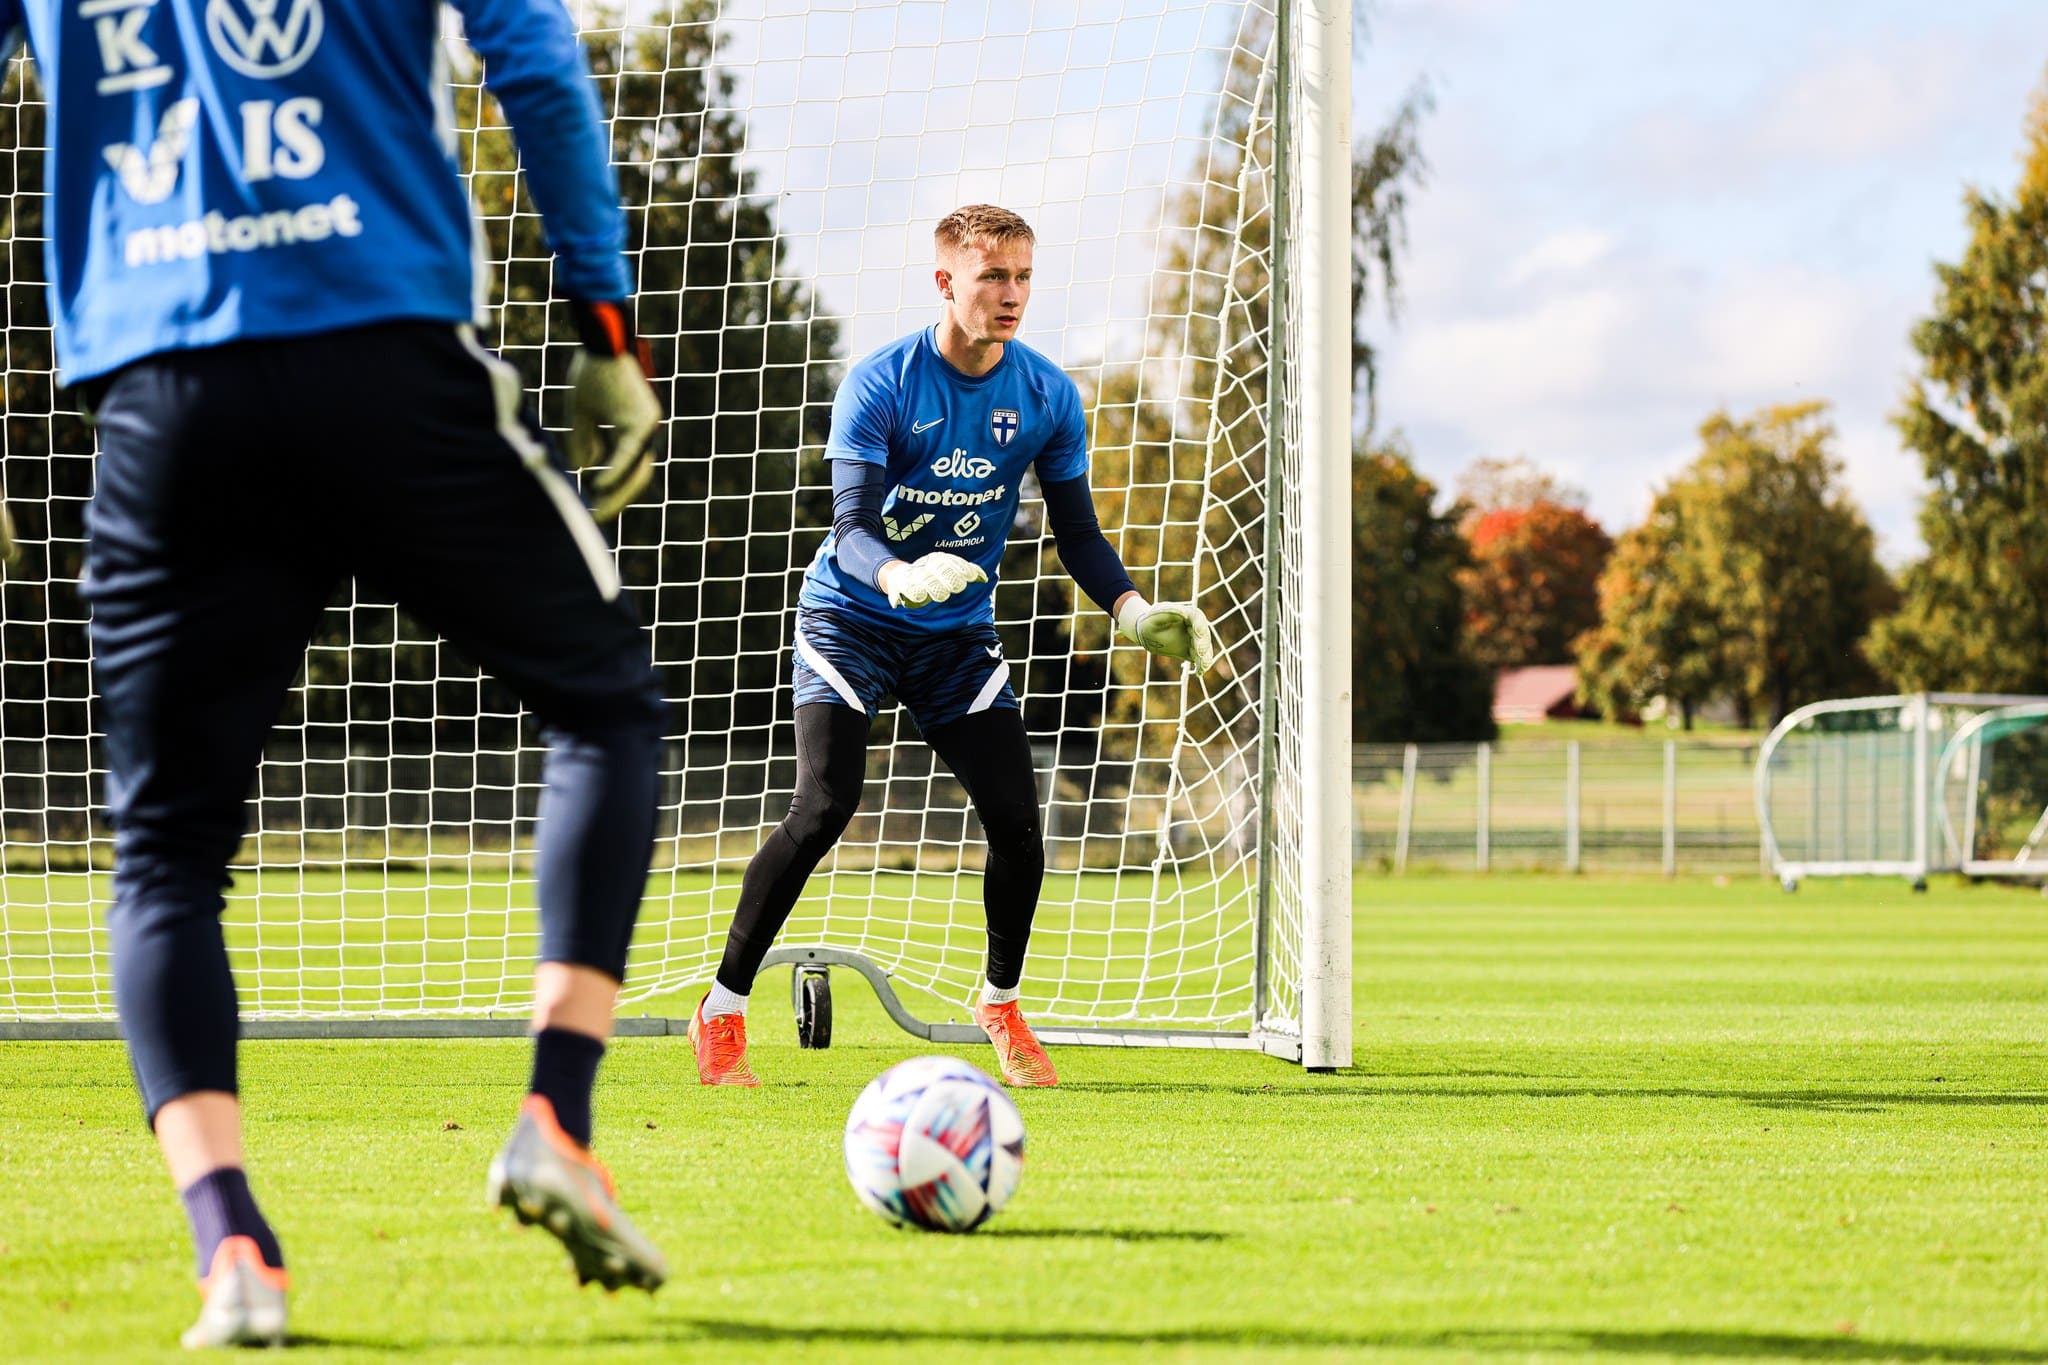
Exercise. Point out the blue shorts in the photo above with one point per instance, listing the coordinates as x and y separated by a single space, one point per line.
939 678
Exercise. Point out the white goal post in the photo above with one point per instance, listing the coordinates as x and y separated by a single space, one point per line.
1186 164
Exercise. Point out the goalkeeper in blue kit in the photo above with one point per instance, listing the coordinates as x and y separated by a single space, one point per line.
264 286
931 438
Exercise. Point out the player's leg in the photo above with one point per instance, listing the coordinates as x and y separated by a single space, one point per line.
207 565
842 669
831 767
991 755
960 693
468 519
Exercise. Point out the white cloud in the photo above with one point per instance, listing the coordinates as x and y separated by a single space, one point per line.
1797 332
1553 352
1606 382
1862 103
1885 481
1868 104
1565 253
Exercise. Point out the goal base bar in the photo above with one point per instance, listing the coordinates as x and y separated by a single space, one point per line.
1273 1044
2002 867
106 1030
1283 1046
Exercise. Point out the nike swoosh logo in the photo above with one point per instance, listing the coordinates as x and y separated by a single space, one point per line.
995 652
916 427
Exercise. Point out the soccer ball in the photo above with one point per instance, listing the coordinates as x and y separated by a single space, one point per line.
933 1143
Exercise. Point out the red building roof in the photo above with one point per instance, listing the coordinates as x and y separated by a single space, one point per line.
1545 691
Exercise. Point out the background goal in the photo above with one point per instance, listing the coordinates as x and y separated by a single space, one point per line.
783 166
1906 786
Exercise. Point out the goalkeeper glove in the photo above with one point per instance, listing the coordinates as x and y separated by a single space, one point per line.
608 388
930 580
1177 630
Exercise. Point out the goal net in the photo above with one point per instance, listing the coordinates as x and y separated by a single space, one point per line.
783 165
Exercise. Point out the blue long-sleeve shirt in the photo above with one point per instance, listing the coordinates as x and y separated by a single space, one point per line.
950 452
857 491
223 170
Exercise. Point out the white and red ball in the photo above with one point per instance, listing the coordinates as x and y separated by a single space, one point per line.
933 1143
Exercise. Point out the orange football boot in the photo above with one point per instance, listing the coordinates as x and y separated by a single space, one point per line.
1022 1057
721 1047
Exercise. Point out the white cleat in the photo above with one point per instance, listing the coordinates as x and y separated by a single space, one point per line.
244 1300
548 1178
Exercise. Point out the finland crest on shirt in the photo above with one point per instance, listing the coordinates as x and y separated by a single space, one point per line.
954 448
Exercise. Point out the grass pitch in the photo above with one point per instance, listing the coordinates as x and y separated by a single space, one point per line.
1591 1119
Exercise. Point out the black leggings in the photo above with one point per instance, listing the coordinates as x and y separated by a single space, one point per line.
990 754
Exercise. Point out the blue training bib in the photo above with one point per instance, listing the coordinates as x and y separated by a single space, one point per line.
955 447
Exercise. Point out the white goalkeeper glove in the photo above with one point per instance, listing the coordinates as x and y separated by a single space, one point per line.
930 580
608 388
1177 630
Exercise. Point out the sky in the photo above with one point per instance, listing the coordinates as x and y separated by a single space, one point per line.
1637 214
869 120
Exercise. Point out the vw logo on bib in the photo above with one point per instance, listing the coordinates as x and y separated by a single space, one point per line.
249 36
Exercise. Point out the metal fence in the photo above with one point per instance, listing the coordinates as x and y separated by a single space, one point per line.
1682 805
1594 805
326 805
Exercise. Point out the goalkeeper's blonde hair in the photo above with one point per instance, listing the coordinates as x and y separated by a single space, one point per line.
980 225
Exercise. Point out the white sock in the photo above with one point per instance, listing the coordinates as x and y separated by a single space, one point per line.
992 995
723 1001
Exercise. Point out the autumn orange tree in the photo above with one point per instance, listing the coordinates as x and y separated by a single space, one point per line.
1413 678
1532 586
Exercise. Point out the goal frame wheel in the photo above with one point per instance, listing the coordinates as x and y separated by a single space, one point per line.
810 995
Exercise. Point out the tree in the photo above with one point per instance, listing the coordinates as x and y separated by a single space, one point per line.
1412 678
743 366
1178 432
1533 585
1755 578
1974 615
47 472
1656 636
1489 485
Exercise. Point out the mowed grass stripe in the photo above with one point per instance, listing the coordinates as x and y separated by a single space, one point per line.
1591 1119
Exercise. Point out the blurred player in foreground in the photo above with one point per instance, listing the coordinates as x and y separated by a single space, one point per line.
264 287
